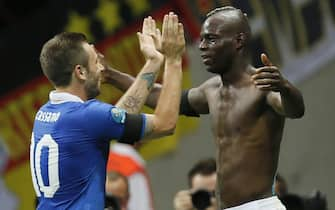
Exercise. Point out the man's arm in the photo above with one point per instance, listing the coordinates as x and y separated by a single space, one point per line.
132 101
283 97
165 116
134 98
288 102
123 81
195 97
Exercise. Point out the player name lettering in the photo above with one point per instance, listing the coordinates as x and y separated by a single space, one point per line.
47 116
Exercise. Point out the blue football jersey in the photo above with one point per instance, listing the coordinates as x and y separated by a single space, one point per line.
69 150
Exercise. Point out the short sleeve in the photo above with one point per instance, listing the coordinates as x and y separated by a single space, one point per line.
105 121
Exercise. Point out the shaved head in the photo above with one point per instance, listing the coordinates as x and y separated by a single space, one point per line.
233 20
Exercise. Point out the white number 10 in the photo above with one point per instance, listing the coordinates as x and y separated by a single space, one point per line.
35 164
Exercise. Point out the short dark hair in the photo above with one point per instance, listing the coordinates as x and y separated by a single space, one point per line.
59 56
203 167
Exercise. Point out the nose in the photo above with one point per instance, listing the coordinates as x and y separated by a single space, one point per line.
202 44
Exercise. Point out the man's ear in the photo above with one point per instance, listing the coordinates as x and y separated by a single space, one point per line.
80 72
240 40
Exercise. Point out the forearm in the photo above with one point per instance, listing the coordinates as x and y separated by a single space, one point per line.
167 110
120 80
123 81
133 100
292 101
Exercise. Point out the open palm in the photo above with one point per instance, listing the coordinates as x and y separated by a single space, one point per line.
150 39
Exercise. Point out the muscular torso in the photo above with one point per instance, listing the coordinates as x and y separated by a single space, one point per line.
247 134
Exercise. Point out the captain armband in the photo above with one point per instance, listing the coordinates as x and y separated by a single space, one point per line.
185 107
133 129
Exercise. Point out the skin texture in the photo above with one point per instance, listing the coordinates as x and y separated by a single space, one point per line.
86 80
93 82
134 101
172 46
247 108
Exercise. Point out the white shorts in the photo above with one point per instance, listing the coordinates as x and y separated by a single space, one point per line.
271 203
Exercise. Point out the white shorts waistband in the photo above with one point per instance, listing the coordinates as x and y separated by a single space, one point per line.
265 203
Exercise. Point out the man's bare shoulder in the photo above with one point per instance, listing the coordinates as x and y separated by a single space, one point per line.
213 82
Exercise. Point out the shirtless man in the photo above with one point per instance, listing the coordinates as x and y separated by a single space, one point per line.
247 105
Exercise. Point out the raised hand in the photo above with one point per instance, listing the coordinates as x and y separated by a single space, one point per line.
173 39
149 28
150 39
268 77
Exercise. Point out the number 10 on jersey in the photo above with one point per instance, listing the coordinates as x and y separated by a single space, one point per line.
51 156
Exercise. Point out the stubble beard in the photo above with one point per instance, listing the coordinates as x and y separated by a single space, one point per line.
92 87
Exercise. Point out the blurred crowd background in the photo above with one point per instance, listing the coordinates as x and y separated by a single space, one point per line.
298 35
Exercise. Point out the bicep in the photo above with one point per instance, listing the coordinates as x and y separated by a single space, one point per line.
108 122
133 128
197 100
103 121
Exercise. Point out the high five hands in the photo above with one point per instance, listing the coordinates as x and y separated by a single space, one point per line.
173 40
150 39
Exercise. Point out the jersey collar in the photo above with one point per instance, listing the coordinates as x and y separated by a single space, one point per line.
62 97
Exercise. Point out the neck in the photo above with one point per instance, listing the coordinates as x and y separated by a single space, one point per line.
235 73
77 91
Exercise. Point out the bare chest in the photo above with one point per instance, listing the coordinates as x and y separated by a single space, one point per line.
233 110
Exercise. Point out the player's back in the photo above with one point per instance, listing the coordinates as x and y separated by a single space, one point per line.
67 160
